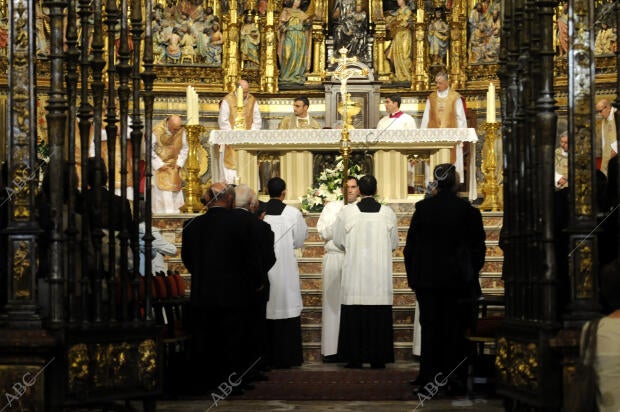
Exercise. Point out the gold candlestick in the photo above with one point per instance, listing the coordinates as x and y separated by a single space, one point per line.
192 191
239 119
490 187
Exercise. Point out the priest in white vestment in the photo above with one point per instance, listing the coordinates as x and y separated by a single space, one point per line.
368 234
395 118
168 156
332 271
285 305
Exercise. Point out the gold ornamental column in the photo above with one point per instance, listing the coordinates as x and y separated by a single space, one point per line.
490 188
379 59
192 190
231 57
318 53
458 31
269 62
419 81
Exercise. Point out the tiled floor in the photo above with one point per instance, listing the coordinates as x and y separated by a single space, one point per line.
494 405
236 405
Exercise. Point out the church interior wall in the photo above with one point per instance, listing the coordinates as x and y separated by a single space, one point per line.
471 58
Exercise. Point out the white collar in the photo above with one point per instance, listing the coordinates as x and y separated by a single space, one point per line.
444 93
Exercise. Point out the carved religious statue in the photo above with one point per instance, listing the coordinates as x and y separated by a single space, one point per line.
350 29
400 50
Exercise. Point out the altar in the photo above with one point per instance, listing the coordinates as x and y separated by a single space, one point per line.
390 149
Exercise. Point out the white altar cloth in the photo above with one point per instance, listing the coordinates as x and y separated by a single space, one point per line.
360 139
310 137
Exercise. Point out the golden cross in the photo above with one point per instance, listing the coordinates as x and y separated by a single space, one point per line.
347 68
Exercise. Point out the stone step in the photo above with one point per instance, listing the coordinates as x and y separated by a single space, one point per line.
490 282
314 297
316 249
174 235
401 315
312 351
315 281
401 210
313 264
312 333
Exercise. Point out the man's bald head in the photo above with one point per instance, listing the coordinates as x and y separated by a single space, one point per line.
603 108
245 197
219 194
174 123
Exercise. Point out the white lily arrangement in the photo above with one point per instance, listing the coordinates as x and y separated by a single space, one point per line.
328 187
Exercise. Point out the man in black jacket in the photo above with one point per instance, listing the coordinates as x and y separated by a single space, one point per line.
109 212
443 254
219 250
246 204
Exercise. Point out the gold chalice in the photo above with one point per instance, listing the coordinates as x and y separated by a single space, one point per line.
353 109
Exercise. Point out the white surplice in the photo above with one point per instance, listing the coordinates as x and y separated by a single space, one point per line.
368 240
332 270
290 231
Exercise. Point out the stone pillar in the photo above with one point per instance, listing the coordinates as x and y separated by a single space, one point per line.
391 174
296 170
247 168
441 156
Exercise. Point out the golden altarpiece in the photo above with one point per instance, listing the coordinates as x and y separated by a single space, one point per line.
59 59
212 44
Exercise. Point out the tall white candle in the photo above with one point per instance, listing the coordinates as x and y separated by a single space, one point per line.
192 106
196 113
491 104
239 96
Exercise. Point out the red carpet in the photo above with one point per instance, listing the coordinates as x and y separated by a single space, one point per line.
341 385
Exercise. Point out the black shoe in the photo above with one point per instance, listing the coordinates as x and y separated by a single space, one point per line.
331 359
377 365
353 365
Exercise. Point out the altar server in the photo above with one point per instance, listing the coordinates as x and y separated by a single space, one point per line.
285 305
395 118
368 233
332 272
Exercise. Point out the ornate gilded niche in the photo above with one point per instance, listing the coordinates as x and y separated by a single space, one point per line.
280 44
605 37
484 25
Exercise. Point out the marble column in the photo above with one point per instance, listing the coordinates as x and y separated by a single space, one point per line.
296 170
391 174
